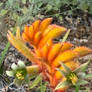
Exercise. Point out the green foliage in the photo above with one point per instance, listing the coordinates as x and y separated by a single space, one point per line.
4 52
24 11
36 81
66 7
66 36
41 86
2 56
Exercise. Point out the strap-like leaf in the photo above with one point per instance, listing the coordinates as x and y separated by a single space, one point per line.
82 67
66 35
62 85
82 82
36 81
88 76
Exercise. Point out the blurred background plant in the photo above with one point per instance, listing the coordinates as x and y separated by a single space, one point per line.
15 12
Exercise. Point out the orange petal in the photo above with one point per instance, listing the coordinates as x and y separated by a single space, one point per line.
54 51
44 51
36 25
50 27
49 43
25 37
31 32
19 44
44 24
66 46
65 56
82 51
26 29
37 38
55 32
38 52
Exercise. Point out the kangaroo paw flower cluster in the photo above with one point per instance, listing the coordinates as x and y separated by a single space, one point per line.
47 54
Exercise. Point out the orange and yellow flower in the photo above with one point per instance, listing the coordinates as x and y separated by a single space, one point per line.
46 53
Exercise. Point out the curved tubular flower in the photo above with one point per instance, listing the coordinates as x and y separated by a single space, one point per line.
45 53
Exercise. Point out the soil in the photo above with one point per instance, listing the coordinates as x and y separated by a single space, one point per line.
80 35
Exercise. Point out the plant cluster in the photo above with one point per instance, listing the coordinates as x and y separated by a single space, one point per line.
55 62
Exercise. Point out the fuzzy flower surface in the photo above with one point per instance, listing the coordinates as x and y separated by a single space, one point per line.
46 53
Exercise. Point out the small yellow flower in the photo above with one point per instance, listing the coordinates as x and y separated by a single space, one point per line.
19 75
73 78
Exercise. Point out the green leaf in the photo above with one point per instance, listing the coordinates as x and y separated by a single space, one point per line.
4 52
74 2
18 82
88 76
1 4
87 89
90 9
49 7
3 55
10 73
24 1
65 67
43 86
62 72
81 75
62 85
83 6
82 67
3 12
82 82
27 79
36 81
66 35
77 88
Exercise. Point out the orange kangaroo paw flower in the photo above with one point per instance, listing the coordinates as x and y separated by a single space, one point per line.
82 51
66 46
44 24
31 32
37 38
26 28
44 51
25 37
50 27
36 25
65 56
57 48
55 32
54 51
